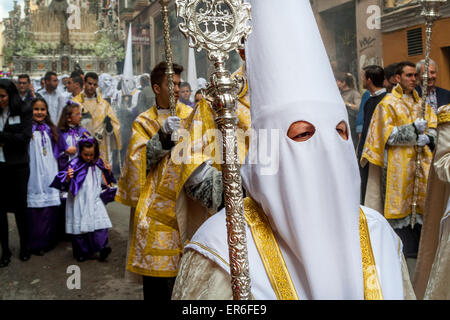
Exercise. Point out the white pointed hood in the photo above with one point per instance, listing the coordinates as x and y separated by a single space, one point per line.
192 73
128 82
309 190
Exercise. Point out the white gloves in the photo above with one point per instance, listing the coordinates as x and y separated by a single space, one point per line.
171 124
421 125
423 140
199 174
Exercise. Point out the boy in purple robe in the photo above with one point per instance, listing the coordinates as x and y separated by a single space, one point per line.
86 216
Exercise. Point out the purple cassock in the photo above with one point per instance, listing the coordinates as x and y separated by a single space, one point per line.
42 200
70 138
86 216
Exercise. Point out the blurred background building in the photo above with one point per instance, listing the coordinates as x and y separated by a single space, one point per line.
403 36
148 50
356 33
364 32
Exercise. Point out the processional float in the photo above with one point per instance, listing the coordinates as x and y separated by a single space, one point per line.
219 26
430 11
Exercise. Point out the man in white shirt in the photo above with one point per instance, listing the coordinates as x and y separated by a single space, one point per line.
55 99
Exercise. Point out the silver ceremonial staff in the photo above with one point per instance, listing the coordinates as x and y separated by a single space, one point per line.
169 59
430 11
218 26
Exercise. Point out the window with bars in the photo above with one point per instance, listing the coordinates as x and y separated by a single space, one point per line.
415 42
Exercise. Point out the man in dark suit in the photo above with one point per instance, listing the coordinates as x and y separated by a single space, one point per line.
373 79
437 97
25 88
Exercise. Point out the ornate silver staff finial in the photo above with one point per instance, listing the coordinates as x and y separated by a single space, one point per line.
169 59
430 11
218 26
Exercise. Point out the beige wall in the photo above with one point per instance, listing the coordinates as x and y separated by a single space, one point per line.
369 37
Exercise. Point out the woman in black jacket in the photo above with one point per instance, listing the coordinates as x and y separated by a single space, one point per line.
15 135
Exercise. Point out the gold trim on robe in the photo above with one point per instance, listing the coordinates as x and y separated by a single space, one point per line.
275 265
372 286
444 114
269 251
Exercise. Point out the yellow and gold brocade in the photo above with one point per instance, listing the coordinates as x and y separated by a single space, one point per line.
99 108
444 114
275 265
397 109
155 248
204 143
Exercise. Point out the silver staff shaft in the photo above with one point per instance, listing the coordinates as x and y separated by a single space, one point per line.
218 27
169 59
224 104
430 10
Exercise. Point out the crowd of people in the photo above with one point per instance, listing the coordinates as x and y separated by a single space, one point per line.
59 148
317 222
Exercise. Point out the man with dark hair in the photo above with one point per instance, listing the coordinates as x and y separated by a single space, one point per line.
99 118
437 96
390 81
77 72
390 150
25 88
372 79
42 82
185 94
55 98
158 74
75 85
154 242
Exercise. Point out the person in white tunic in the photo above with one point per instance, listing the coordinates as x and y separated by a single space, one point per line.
43 201
86 216
307 236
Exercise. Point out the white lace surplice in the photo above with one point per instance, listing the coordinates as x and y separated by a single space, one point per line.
86 212
43 169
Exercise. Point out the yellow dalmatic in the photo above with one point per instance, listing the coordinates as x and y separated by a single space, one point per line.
99 108
155 248
205 144
394 110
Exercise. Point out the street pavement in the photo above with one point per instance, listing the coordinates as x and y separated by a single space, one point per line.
54 276
47 277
